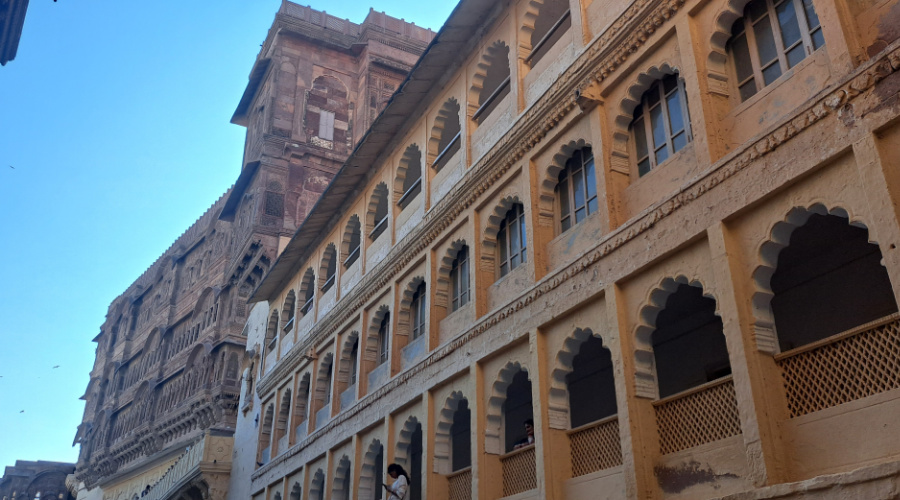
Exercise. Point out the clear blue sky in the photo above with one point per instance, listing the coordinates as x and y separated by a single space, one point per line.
114 117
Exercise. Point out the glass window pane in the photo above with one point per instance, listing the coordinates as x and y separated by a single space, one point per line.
501 241
748 89
676 120
652 96
662 154
592 205
765 42
579 215
679 141
590 181
522 234
640 139
578 188
657 127
504 269
565 223
812 19
772 73
756 9
644 167
818 38
670 82
787 20
796 55
742 63
513 239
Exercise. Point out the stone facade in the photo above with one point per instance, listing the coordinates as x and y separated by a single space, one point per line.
35 480
663 231
170 356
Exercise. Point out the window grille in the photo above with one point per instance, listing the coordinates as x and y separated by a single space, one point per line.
274 204
842 368
697 416
595 446
519 473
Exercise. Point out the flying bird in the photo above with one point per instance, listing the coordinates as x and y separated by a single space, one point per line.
12 167
23 411
55 367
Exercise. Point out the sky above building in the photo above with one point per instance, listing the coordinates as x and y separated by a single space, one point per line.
114 139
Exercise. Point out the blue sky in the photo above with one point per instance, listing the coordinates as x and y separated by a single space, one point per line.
114 138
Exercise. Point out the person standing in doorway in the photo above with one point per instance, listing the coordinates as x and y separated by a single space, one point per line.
398 489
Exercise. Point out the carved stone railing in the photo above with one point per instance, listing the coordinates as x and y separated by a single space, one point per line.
185 465
845 367
459 484
697 416
519 471
595 446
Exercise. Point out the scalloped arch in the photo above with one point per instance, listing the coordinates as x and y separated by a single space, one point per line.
494 411
412 156
547 195
442 444
404 440
371 353
443 122
779 237
488 58
558 404
492 227
644 362
445 264
368 476
632 98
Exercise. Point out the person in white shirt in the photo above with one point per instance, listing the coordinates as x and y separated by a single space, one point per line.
398 489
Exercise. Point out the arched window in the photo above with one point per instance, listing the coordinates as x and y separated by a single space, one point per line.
511 239
518 412
409 174
288 310
354 360
281 426
417 309
446 136
577 189
328 270
495 83
265 435
307 291
459 279
272 330
415 465
296 492
688 344
553 20
383 339
378 211
351 241
302 400
461 437
592 390
325 374
661 126
771 38
829 279
317 486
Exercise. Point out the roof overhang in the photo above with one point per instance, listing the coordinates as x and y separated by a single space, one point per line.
237 191
449 49
257 76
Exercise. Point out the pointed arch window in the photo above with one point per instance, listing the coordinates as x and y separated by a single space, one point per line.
661 126
577 189
308 291
511 239
329 266
771 38
383 338
417 311
352 241
381 211
459 279
553 21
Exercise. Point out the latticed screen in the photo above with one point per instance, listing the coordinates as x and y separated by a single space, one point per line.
699 417
519 471
460 484
845 368
595 447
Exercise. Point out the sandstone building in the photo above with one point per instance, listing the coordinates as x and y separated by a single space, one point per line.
664 230
163 395
36 480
